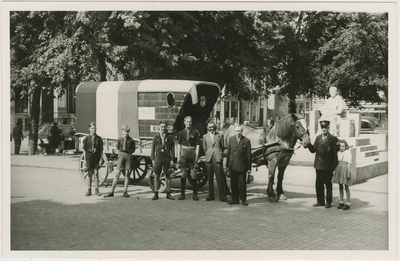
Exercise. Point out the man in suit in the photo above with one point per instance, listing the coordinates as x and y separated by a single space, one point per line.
239 164
325 149
213 145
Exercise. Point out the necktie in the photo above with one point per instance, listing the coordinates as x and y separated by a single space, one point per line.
188 136
93 143
124 145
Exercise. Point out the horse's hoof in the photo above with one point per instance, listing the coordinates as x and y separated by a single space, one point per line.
273 199
282 197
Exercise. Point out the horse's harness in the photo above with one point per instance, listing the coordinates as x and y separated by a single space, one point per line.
279 143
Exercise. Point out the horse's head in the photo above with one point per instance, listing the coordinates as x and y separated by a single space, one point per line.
300 129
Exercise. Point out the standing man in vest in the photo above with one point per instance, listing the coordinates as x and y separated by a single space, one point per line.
213 144
325 149
188 154
239 164
162 156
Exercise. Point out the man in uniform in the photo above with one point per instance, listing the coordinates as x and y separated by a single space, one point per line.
188 154
213 145
239 164
325 149
162 155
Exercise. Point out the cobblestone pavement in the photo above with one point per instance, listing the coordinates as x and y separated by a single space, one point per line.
50 212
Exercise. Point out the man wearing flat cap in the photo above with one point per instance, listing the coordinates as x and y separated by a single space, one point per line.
325 162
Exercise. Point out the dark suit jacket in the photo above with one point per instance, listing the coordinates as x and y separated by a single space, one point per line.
325 152
213 149
239 154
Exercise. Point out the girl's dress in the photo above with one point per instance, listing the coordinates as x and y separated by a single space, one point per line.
342 170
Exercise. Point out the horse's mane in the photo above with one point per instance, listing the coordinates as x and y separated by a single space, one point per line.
283 127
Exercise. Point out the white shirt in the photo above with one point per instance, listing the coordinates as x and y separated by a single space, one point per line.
344 156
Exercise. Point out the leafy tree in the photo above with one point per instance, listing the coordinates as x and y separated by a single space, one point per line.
357 58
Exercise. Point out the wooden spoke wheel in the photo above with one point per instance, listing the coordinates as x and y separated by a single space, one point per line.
140 166
103 170
162 186
202 176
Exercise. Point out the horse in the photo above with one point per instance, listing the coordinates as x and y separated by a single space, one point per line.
275 148
279 149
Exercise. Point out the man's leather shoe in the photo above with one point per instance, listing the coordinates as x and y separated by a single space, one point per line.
88 193
210 199
232 202
327 205
98 192
195 197
346 207
318 205
125 195
225 200
169 196
245 203
181 197
155 197
109 195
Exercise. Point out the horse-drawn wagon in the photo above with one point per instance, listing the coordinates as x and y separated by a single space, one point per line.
141 105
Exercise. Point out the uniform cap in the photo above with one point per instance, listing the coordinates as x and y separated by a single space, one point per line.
324 123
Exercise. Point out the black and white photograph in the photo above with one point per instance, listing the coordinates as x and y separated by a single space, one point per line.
165 130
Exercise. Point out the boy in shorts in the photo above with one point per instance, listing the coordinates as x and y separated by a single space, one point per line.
125 147
93 149
188 154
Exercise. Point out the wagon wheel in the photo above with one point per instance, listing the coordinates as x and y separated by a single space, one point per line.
201 178
162 186
103 171
139 168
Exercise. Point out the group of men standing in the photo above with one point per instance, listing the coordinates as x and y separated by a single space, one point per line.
238 161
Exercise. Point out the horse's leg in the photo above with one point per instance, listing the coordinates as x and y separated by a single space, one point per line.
271 177
279 189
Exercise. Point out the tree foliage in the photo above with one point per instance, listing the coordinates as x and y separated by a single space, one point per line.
252 52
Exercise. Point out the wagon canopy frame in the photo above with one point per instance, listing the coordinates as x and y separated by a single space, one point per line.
113 104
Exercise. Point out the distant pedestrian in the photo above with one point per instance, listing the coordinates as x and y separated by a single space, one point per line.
54 137
213 146
271 122
188 155
326 160
18 137
125 146
93 150
239 165
342 175
162 156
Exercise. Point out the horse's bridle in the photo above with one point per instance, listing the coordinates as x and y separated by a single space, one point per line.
300 137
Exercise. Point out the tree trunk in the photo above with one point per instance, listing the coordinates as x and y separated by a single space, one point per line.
34 126
292 103
102 67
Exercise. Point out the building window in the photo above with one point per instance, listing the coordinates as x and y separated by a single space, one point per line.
308 106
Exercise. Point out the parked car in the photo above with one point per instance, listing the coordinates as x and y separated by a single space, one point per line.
371 125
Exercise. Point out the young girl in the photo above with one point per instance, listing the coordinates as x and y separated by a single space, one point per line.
342 174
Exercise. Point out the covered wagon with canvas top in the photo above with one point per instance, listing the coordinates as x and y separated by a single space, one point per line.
140 105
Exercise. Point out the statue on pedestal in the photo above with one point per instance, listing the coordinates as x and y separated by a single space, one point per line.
332 111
